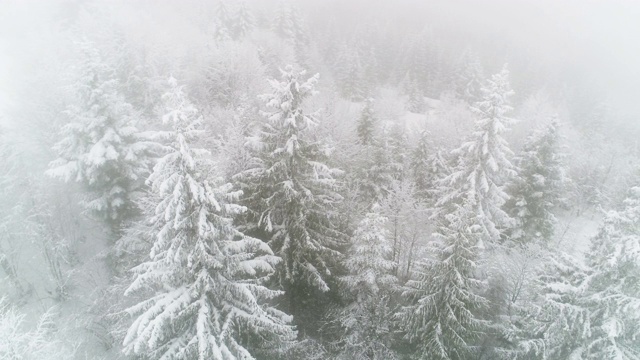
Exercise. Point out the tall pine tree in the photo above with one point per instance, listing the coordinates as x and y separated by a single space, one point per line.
367 123
292 193
614 289
536 190
441 318
101 147
367 320
483 166
208 300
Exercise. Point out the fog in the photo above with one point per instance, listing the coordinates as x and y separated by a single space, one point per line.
319 179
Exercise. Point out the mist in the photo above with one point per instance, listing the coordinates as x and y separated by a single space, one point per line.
319 179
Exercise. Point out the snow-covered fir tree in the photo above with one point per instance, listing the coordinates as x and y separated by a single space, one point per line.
414 64
290 26
419 165
367 320
561 320
427 166
204 278
224 24
614 288
244 21
383 163
441 318
415 98
349 73
469 77
367 123
101 147
483 164
590 311
536 190
291 192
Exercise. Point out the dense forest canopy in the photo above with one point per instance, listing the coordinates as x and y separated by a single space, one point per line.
282 179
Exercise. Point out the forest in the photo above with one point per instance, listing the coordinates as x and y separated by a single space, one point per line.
319 179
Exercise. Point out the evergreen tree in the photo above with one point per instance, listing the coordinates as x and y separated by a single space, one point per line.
223 21
350 74
366 322
101 147
414 64
290 25
556 327
536 190
415 101
382 165
207 277
244 21
614 289
425 167
590 311
441 319
469 78
367 123
282 21
291 192
483 165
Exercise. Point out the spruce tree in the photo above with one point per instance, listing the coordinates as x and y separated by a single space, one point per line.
415 98
557 326
469 77
536 190
224 25
441 319
350 74
290 26
419 165
367 123
367 320
292 193
206 278
244 21
591 311
614 289
382 165
483 165
101 147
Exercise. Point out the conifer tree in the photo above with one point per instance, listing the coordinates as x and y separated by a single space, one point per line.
367 123
614 289
415 100
292 193
590 311
414 64
367 321
208 299
536 189
223 22
421 171
469 78
290 25
441 318
383 164
350 74
556 327
244 21
101 147
282 21
483 165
